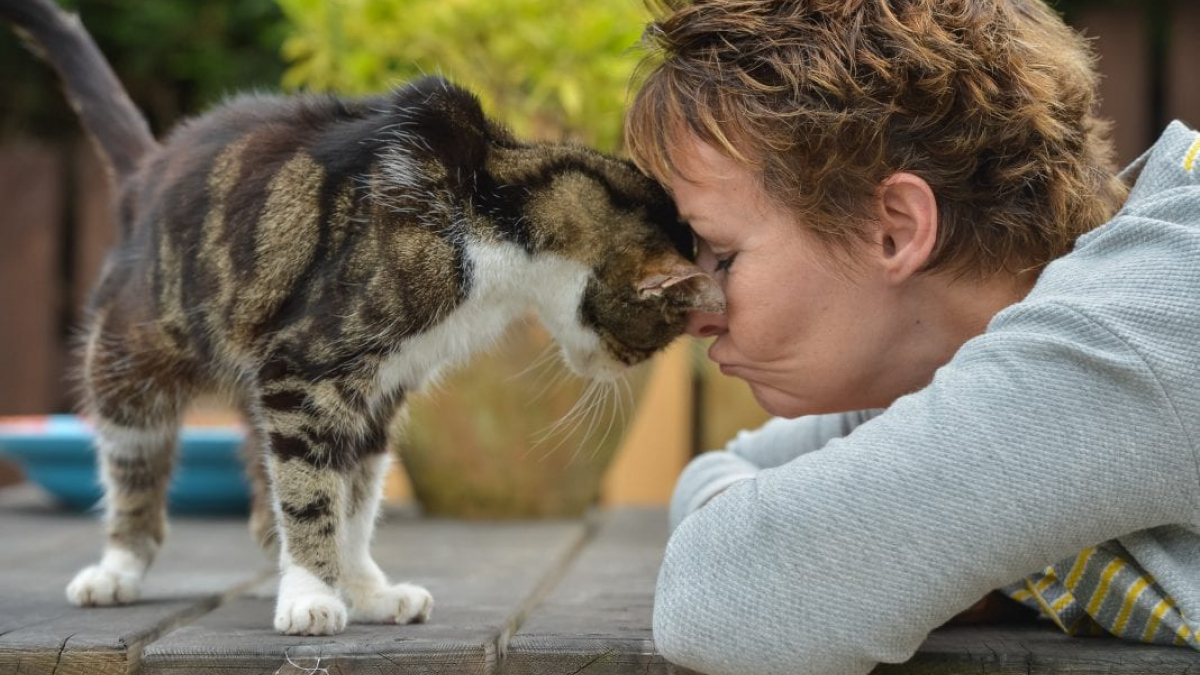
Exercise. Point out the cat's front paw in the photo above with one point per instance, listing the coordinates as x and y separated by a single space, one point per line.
100 585
310 614
401 603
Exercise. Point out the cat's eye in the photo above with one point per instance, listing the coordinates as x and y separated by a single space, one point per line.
725 263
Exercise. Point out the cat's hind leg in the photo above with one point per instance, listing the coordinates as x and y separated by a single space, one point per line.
371 597
135 397
262 512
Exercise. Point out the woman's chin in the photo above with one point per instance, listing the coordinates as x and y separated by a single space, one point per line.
776 402
781 403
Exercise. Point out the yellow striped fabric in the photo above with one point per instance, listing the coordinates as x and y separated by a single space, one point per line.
1104 591
1189 158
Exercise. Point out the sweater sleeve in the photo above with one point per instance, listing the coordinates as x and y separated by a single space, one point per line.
775 443
1032 443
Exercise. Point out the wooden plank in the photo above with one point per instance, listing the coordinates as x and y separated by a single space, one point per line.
1183 57
30 294
204 561
597 620
483 576
1126 90
31 519
1036 649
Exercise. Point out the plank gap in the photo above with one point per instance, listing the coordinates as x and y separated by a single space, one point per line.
547 585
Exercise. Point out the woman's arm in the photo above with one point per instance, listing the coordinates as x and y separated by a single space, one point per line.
1030 445
777 442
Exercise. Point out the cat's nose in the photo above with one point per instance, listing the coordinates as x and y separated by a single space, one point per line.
705 324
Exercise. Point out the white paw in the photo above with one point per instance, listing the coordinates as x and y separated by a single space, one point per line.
402 603
310 614
99 585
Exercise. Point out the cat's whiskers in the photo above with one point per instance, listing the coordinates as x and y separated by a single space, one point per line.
631 397
569 424
538 363
613 389
609 404
568 418
558 377
624 389
619 388
595 405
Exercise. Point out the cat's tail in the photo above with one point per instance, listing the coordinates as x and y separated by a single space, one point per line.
110 118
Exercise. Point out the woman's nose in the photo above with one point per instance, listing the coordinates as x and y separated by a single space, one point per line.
704 324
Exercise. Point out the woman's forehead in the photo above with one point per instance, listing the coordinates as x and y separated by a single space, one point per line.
706 180
697 161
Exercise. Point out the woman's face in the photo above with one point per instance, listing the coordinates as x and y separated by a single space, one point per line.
807 331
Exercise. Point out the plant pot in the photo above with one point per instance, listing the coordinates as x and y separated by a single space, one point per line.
494 440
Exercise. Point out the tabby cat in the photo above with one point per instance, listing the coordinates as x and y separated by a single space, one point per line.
317 259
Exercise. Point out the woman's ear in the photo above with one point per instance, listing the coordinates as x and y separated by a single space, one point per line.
908 225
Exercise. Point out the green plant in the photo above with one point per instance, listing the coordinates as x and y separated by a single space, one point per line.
549 69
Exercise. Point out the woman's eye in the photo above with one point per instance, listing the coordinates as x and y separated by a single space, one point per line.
725 263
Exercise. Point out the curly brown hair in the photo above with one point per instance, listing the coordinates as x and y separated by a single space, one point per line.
991 102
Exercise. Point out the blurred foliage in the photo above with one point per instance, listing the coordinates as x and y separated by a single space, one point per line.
547 68
550 69
176 57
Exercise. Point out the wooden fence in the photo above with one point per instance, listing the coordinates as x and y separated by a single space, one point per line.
1150 60
54 229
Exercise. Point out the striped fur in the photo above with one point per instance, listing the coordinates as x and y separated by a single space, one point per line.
318 259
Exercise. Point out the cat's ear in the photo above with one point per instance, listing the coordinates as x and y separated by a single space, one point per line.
686 285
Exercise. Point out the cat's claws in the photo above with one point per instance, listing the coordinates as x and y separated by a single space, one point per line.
417 607
98 586
319 615
401 604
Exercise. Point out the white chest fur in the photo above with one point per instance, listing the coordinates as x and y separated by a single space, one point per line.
505 283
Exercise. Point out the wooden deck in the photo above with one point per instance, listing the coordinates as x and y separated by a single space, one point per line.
530 598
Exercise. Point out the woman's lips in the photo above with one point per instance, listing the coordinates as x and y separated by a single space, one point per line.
712 356
726 367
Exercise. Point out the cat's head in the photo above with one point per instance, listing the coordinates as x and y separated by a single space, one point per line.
641 281
624 279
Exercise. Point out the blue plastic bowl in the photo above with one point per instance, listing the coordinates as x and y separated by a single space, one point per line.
58 453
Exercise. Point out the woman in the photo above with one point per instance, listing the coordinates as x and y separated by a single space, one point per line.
982 378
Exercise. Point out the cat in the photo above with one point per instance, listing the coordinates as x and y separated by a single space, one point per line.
318 259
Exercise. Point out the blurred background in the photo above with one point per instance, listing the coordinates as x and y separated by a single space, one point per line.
549 69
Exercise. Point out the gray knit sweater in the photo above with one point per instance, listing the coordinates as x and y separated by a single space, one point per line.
836 542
